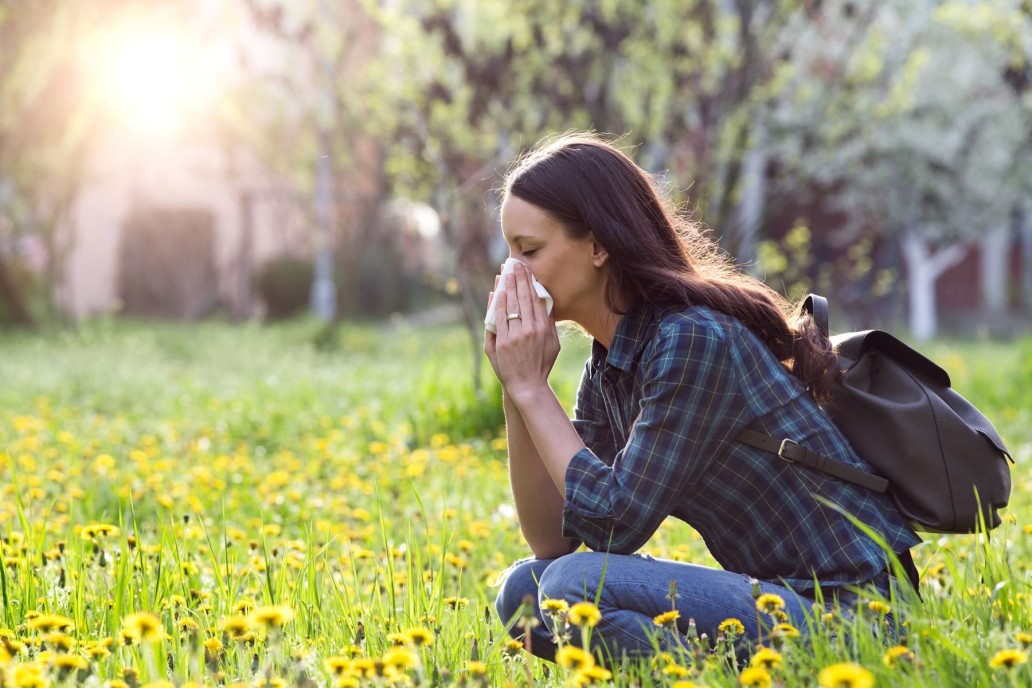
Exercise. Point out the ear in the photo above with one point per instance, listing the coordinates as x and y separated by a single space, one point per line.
599 255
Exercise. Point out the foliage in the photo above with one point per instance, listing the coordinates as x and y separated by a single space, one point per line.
277 515
284 285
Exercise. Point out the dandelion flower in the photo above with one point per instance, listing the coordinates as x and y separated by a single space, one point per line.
144 627
667 620
732 627
476 668
401 658
236 626
755 677
769 603
419 636
1008 659
766 658
574 658
456 603
50 622
845 675
584 614
555 608
879 607
591 676
784 630
338 666
897 654
275 616
1024 638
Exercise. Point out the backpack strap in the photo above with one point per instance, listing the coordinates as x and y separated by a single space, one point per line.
793 452
817 307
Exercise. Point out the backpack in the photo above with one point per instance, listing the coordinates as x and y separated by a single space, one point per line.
937 456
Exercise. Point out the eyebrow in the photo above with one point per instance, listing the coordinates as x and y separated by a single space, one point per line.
520 237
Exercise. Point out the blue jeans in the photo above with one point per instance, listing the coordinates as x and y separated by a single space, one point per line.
636 589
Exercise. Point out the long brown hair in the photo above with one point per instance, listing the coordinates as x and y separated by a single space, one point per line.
657 257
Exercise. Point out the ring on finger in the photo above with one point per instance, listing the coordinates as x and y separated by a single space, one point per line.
513 316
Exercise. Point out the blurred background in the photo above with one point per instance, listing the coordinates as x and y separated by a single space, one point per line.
265 159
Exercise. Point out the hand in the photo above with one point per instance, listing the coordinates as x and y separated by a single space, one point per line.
525 348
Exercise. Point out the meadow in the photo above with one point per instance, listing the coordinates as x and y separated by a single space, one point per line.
284 506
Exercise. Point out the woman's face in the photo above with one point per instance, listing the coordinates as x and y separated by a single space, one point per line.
570 269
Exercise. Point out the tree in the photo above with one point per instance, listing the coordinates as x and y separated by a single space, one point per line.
46 119
930 139
462 86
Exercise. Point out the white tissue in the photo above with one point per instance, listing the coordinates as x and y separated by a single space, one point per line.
507 268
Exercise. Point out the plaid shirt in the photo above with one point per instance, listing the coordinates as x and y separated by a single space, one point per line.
659 413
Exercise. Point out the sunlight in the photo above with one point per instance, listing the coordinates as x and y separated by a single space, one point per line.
149 79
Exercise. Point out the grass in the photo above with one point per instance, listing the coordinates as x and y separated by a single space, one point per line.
238 505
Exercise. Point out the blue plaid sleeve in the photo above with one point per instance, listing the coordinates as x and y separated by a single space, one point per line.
690 406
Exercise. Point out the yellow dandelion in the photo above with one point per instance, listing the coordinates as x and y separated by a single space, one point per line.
213 646
275 616
591 675
845 675
58 641
476 668
676 671
50 622
769 603
784 630
338 666
456 603
897 654
398 639
667 620
1008 659
879 607
584 614
766 658
144 627
67 662
1024 638
755 677
28 676
555 608
574 658
236 626
512 648
401 658
420 636
684 684
732 627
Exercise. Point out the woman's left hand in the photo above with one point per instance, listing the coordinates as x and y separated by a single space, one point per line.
526 346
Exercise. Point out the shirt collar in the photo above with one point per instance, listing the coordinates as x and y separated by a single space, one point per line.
632 333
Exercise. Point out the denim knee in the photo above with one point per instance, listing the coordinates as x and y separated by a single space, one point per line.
520 580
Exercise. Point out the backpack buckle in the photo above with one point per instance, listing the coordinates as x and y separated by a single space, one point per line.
787 444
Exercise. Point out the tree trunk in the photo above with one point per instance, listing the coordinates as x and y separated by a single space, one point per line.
924 267
750 208
11 294
995 274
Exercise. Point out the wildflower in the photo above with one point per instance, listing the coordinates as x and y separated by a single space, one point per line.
271 617
895 655
845 675
511 649
574 658
1008 659
676 671
584 614
731 627
144 627
591 675
879 607
784 630
667 620
476 668
419 636
398 639
755 677
401 658
338 666
66 664
98 531
684 684
213 646
236 626
1024 638
456 603
766 658
50 622
555 608
28 676
768 603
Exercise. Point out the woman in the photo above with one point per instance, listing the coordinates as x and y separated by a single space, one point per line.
687 353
